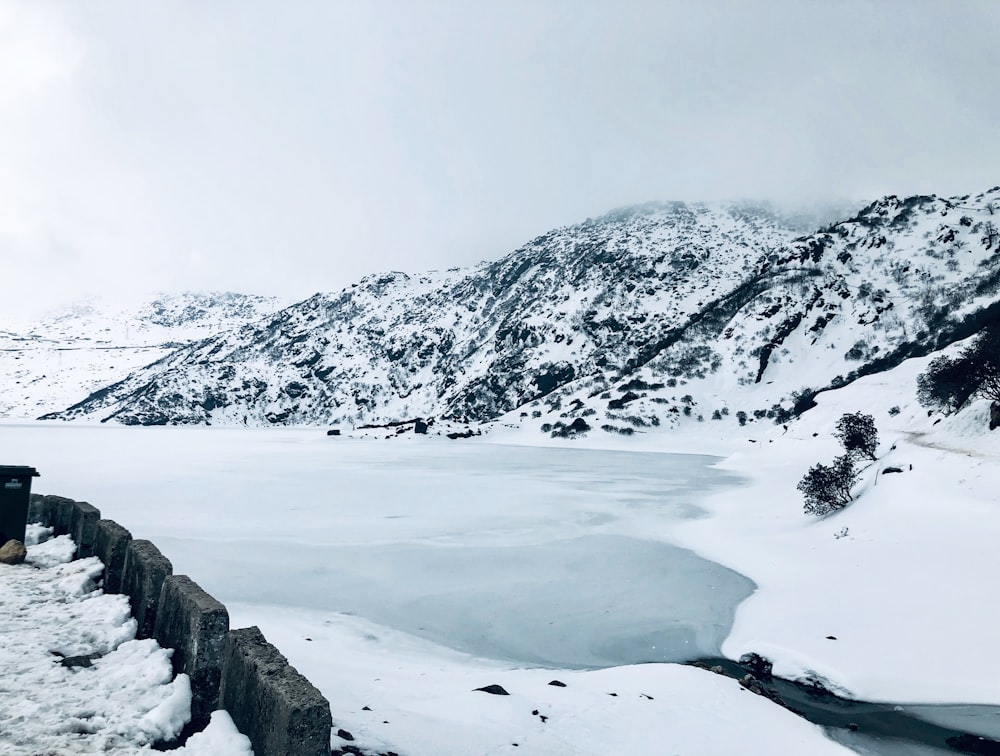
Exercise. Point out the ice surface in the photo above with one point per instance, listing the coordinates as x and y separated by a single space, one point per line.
593 601
555 557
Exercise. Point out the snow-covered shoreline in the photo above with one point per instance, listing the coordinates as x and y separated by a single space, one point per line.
73 677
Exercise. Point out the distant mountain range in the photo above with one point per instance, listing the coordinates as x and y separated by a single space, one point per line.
55 361
657 315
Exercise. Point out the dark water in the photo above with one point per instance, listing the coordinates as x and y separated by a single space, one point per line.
884 729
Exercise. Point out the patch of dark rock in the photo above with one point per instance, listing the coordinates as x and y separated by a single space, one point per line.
365 708
85 661
557 683
628 396
467 433
613 694
353 750
333 432
345 735
758 666
831 637
643 695
496 690
754 685
890 470
419 426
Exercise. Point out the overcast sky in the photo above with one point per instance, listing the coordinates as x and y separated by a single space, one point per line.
291 147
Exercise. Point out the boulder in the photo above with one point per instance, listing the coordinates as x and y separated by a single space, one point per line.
496 690
758 666
13 552
994 415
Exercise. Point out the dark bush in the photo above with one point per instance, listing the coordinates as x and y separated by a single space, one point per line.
947 384
827 488
858 435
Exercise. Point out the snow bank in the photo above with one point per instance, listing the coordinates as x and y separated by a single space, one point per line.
393 691
117 702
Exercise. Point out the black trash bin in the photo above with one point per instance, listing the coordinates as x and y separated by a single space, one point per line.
15 491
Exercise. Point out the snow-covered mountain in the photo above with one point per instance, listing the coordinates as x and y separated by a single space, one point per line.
654 315
59 359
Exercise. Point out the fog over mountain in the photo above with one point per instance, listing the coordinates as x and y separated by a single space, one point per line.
205 147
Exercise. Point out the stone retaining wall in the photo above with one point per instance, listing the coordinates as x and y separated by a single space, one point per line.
281 712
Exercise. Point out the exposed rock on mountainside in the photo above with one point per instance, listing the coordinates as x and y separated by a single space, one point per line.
646 316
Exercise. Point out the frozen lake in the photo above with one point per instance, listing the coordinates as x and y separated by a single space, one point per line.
537 556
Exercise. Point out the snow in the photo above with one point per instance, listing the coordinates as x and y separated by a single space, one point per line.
403 575
125 700
422 699
455 558
902 591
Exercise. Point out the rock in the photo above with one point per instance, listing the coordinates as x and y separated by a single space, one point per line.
13 552
84 661
333 432
419 426
994 415
345 735
557 684
496 690
757 665
890 470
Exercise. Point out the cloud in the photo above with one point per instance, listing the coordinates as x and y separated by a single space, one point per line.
235 145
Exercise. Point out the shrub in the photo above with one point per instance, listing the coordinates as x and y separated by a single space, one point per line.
827 488
948 383
858 435
894 410
741 416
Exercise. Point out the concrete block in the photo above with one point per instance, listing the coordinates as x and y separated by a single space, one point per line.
60 514
83 527
281 712
37 510
194 624
145 570
110 543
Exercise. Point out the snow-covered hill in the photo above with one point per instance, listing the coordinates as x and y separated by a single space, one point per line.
61 358
661 314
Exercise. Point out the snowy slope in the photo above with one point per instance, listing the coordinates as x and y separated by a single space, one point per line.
647 316
61 358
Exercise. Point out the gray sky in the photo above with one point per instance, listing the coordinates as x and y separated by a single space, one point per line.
293 147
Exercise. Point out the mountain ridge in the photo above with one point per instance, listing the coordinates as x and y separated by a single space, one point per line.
656 314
